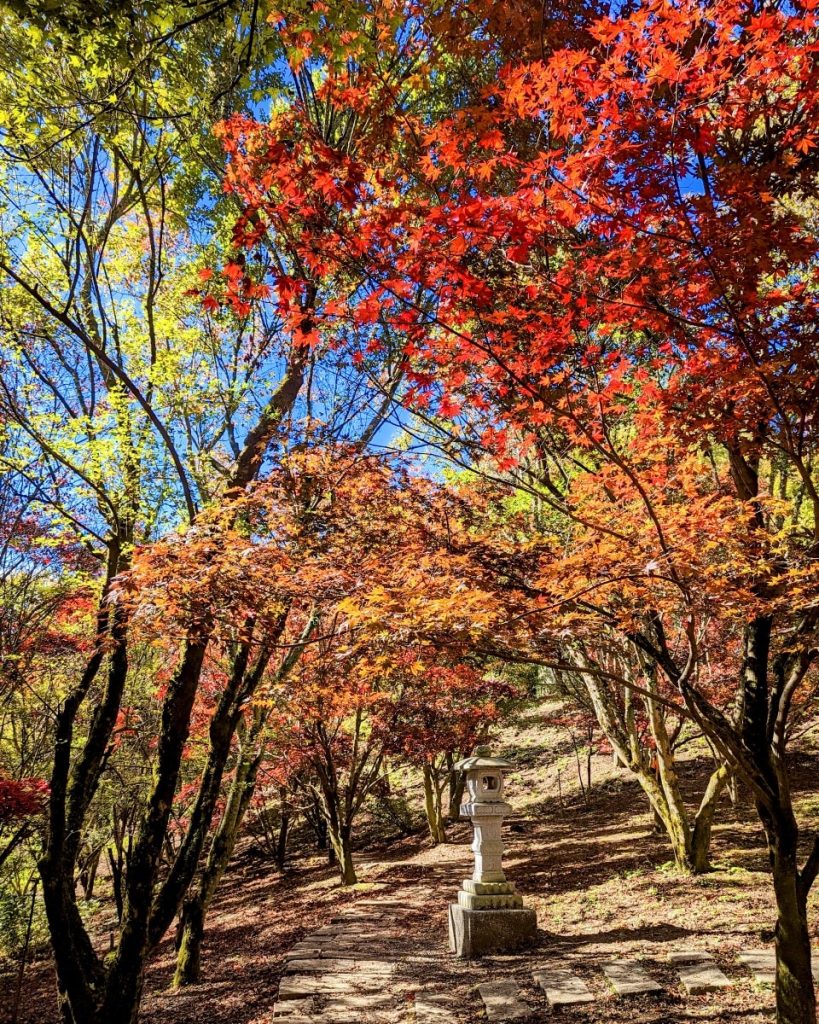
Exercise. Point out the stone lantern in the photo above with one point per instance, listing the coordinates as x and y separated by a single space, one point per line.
489 916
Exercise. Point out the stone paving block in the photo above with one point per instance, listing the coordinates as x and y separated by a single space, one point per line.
293 1007
365 913
700 975
297 986
326 965
434 1008
341 953
698 972
629 979
357 1017
688 956
379 906
359 919
502 1000
381 1014
359 933
562 987
346 953
359 1001
762 963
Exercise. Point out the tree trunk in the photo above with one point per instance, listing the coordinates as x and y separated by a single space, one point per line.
457 782
284 830
196 906
689 840
188 957
123 988
116 866
344 854
432 806
92 875
704 820
223 725
795 995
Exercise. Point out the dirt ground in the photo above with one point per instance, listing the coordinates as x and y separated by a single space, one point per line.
599 878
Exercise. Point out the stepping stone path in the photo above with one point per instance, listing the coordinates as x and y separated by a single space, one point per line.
698 972
629 979
502 1000
369 965
762 964
563 988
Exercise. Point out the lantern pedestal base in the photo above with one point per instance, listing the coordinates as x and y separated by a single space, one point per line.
474 933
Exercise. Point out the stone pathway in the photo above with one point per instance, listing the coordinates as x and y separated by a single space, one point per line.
338 973
371 966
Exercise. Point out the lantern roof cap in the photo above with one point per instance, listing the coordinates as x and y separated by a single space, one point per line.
481 760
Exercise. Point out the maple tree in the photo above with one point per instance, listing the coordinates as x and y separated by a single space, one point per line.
603 273
445 711
331 527
280 567
661 271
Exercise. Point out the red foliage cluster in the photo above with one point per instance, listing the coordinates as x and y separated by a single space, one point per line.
21 799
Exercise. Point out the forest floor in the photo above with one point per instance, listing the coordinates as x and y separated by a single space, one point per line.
599 878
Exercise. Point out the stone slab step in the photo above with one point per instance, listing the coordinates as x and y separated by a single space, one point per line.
327 965
360 1015
434 1008
378 904
698 972
627 978
328 953
348 943
689 956
299 986
294 1007
358 1001
562 987
762 963
360 918
502 1000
